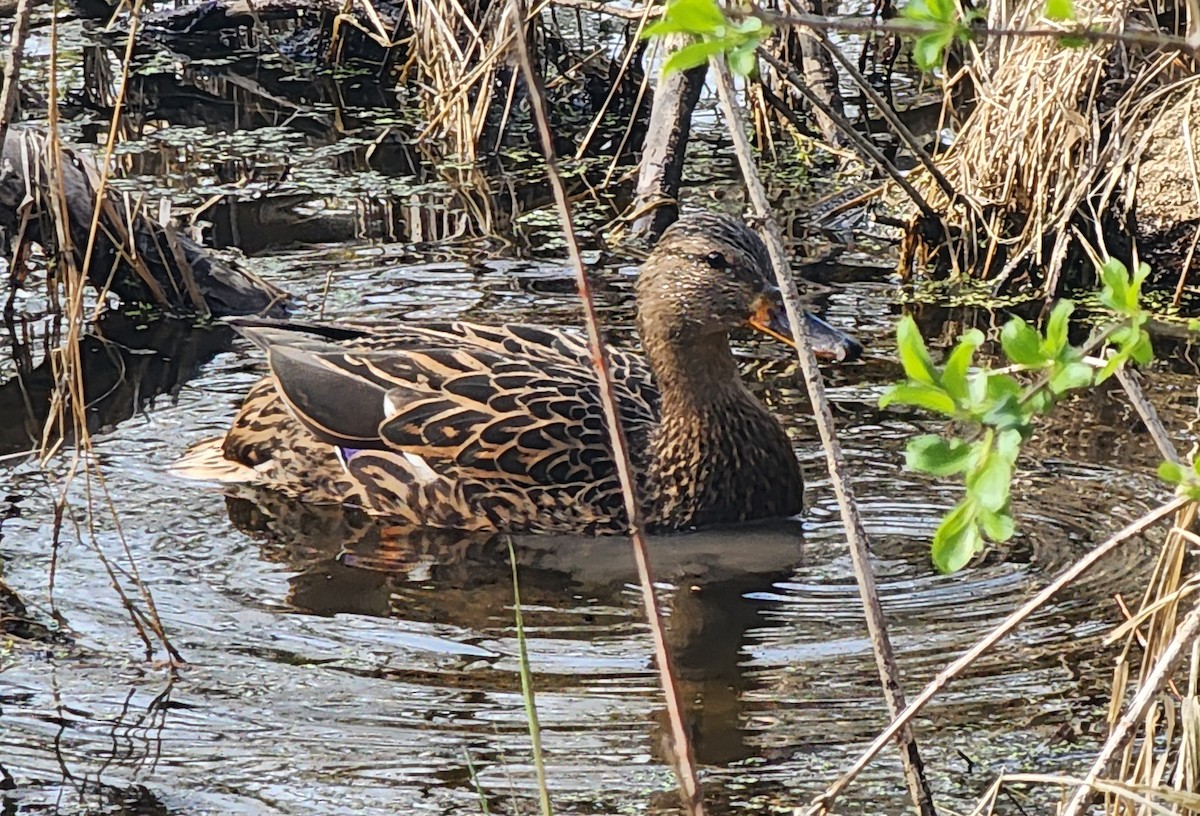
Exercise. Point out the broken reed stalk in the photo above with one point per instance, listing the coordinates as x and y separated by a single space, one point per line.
855 534
12 72
1147 692
527 694
943 678
866 147
69 392
685 768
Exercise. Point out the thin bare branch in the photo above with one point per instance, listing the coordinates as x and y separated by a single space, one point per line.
943 678
855 534
858 139
684 764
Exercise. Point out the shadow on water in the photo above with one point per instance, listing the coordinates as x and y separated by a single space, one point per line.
128 362
347 563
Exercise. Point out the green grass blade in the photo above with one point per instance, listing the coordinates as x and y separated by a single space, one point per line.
535 730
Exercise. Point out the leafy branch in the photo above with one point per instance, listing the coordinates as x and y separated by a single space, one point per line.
934 25
713 33
1000 410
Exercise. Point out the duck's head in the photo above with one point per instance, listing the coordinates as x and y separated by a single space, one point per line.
710 274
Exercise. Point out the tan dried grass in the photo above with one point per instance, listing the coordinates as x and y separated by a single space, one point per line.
1051 143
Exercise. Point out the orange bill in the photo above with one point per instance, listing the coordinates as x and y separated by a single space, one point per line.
770 318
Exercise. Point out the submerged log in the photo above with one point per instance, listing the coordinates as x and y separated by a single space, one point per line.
133 256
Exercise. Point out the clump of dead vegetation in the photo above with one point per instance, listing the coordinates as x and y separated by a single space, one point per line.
1063 151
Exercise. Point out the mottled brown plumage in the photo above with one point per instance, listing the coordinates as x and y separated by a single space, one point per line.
471 427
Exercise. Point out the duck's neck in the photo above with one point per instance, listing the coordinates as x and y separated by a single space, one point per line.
695 374
717 455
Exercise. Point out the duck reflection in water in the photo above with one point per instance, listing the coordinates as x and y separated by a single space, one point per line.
577 588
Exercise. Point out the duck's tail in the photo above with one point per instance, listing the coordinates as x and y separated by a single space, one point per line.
206 461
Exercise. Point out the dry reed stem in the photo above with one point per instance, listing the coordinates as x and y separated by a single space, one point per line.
1149 688
1138 794
12 72
69 395
1002 630
684 764
1046 142
856 536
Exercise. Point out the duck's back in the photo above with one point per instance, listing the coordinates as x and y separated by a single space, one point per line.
454 425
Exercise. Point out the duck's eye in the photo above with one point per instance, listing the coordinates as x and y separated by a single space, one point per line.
716 260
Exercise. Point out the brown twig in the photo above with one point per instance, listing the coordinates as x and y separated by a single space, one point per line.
945 676
1148 415
856 535
684 765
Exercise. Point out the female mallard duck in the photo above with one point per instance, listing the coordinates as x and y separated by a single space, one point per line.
471 427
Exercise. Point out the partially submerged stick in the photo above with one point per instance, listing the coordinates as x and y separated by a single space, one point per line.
685 767
856 536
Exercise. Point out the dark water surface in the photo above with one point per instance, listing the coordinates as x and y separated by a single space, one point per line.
334 668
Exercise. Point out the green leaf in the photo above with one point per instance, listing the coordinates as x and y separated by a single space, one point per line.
1142 351
1021 344
1073 41
929 397
1071 376
750 25
1008 445
996 526
1060 10
930 11
1115 361
1040 402
743 60
941 457
1119 292
1056 328
692 56
929 48
663 27
918 365
1007 412
1000 386
1170 472
954 374
989 484
697 17
957 538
